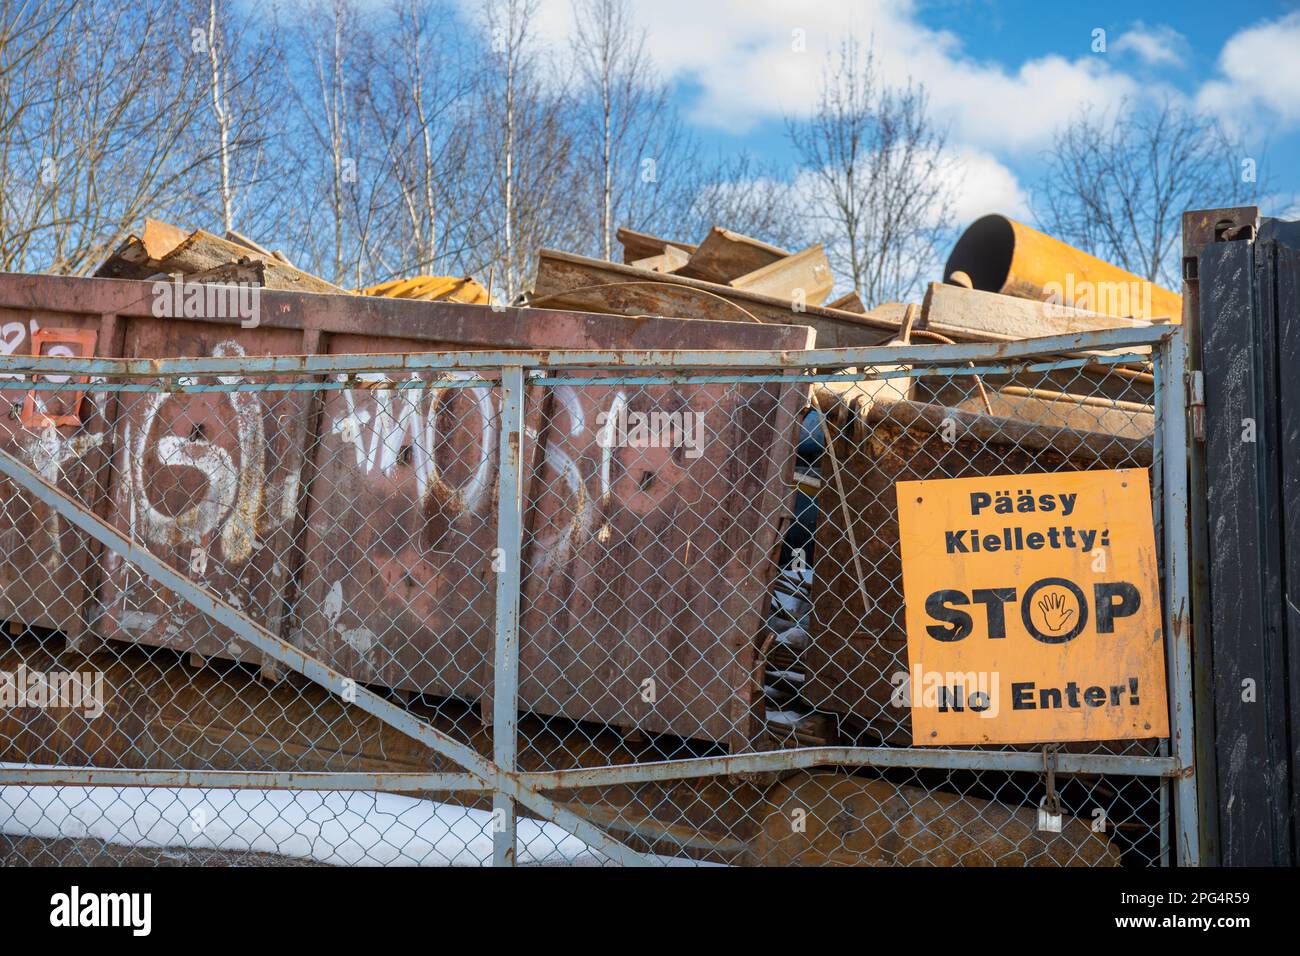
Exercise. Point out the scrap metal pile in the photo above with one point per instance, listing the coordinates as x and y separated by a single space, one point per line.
773 550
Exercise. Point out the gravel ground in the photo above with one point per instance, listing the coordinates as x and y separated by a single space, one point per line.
38 851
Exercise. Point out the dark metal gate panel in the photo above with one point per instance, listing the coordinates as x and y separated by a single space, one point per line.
1250 325
1287 291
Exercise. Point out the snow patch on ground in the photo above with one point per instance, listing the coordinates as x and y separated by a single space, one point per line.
356 829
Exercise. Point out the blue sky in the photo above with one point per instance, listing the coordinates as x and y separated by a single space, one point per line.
1002 74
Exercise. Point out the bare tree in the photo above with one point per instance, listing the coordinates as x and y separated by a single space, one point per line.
742 194
397 141
508 23
27 30
629 122
330 64
338 158
219 84
1117 185
242 73
872 168
418 91
523 112
100 128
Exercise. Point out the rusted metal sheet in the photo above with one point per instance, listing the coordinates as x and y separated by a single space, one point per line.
322 515
397 584
856 658
421 562
209 481
63 438
654 564
852 821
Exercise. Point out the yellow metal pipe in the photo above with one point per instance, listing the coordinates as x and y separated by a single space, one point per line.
1002 255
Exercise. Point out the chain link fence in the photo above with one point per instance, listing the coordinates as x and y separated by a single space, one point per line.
535 608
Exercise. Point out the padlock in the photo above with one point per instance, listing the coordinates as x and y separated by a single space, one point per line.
1048 821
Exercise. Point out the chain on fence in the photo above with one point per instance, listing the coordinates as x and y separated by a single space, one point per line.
284 596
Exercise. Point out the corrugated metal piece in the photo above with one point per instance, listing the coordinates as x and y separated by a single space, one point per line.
431 289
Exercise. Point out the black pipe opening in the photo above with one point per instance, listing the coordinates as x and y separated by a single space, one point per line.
984 253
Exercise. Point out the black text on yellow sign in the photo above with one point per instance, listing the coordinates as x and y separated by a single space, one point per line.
1033 608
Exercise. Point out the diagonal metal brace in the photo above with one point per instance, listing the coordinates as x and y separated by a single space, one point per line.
315 670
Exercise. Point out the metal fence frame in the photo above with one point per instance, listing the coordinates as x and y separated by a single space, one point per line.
509 786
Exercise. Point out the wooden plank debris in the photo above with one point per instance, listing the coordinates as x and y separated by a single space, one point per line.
955 307
807 270
164 249
642 245
565 280
725 255
576 282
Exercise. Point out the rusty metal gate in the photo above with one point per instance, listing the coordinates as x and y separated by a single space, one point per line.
542 607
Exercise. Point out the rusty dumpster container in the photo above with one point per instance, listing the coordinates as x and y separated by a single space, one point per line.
359 522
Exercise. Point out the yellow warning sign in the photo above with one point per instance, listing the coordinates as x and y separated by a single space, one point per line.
1033 608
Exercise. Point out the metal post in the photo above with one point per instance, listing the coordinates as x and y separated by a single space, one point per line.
1173 411
1159 358
505 676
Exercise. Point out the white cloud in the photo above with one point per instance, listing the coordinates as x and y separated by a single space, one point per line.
975 182
1018 112
740 60
1280 205
979 185
738 64
1259 67
1154 46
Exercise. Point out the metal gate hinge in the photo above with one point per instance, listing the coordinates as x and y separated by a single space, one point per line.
1196 403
